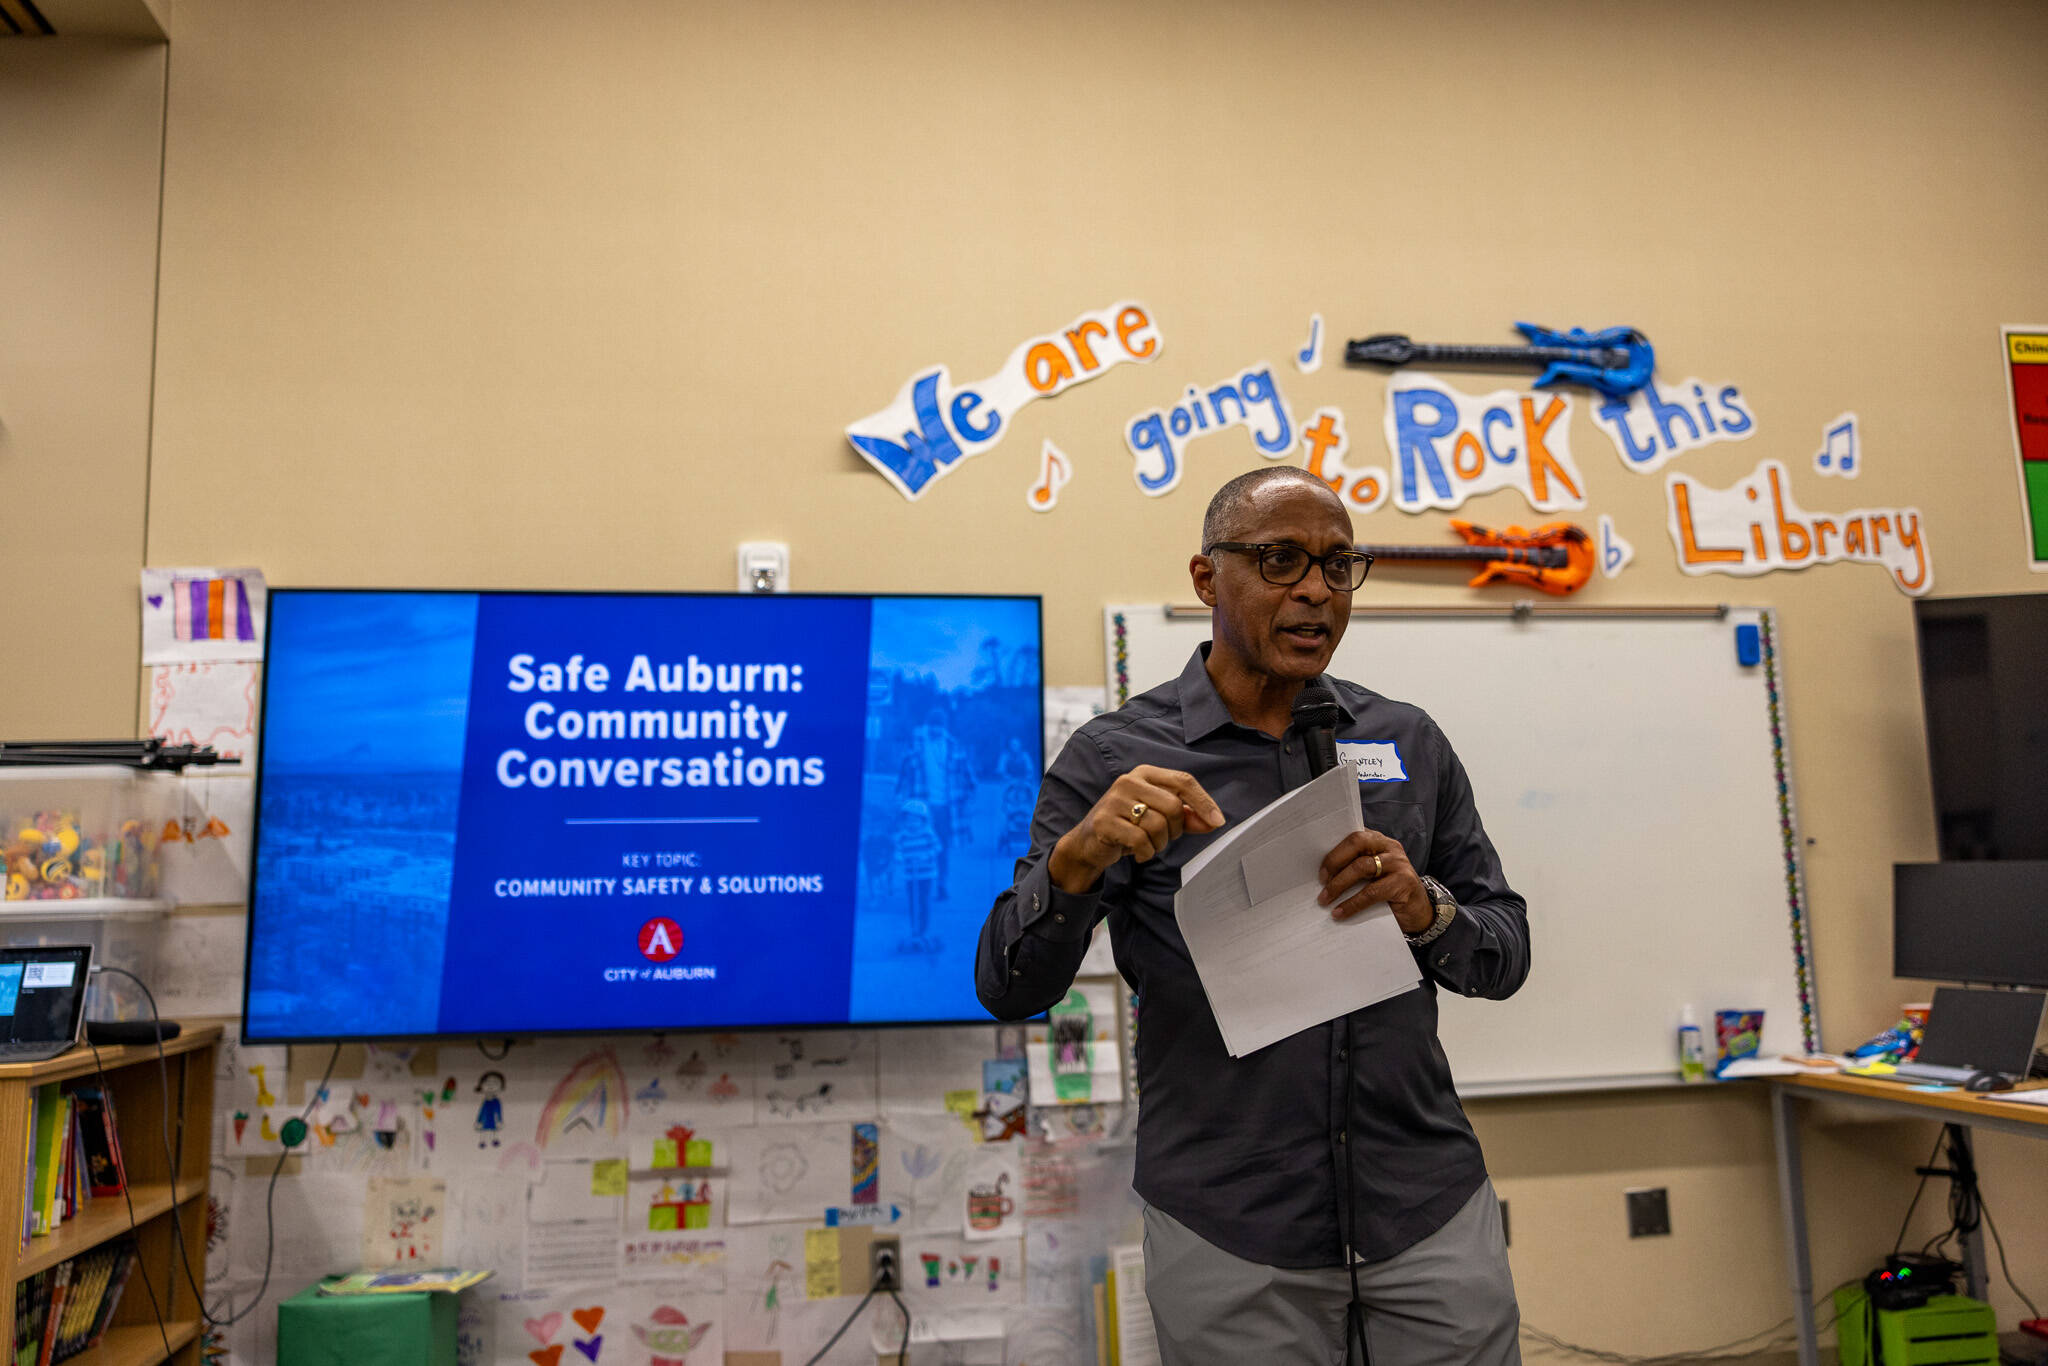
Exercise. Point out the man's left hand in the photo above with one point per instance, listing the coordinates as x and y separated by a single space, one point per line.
1366 868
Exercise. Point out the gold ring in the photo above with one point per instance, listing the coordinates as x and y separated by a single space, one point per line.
1138 810
1376 867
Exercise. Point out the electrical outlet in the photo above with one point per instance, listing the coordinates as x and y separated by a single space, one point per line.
1649 1212
885 1263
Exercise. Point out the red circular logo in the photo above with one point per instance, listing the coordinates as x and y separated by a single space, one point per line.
661 939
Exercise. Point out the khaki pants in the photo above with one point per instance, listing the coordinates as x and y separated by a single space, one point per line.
1447 1301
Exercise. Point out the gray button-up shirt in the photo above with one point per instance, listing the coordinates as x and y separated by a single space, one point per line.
1247 1152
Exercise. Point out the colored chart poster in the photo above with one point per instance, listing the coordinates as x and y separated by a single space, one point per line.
517 812
2026 359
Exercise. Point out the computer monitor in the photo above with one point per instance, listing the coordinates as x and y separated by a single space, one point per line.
1991 1031
1971 922
42 993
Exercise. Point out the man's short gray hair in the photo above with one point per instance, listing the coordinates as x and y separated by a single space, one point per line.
1224 520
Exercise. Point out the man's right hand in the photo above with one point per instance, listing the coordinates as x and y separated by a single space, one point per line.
1142 812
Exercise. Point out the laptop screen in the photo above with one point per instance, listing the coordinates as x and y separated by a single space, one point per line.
42 993
1992 1031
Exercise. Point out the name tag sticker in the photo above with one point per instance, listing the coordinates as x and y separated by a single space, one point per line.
1375 761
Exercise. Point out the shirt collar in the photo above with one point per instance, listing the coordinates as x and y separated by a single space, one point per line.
1202 711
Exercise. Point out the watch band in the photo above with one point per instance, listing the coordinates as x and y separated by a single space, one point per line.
1446 908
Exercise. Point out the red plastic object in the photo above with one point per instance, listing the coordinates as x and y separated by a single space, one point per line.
2038 1327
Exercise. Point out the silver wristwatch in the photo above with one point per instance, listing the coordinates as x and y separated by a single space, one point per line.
1446 907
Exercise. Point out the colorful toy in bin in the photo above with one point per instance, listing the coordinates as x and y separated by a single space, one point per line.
52 857
1737 1034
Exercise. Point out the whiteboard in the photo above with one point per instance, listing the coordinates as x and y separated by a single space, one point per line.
1630 772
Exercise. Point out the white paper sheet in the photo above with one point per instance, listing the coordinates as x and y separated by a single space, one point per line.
202 614
789 1171
1271 960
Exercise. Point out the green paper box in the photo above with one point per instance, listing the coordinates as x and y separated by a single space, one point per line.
366 1330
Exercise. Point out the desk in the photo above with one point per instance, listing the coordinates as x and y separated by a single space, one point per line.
1946 1107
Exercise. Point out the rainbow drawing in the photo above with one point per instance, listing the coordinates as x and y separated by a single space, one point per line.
211 609
592 1097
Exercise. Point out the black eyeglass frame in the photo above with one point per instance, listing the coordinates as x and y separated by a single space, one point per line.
1260 549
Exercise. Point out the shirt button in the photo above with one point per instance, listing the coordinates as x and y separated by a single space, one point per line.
1034 901
1343 1053
1059 917
1287 749
1444 961
1340 1135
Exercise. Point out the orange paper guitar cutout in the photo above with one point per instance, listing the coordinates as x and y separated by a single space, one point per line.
1555 558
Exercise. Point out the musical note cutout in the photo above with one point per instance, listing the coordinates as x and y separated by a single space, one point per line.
1309 359
1054 469
1839 454
1615 553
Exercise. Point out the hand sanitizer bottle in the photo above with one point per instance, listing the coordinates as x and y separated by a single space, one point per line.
1692 1055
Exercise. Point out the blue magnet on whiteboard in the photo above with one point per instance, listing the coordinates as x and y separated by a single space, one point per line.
1749 645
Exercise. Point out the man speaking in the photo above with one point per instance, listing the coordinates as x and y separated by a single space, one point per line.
1328 1186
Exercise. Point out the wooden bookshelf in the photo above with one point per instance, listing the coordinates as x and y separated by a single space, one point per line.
167 1170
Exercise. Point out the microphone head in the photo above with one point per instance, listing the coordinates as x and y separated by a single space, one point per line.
1315 708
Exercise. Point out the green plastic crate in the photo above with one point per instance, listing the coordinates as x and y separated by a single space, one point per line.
366 1330
1949 1330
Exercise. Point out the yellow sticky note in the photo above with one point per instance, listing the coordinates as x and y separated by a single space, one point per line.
821 1263
608 1176
963 1103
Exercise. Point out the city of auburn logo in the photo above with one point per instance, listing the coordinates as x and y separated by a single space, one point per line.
661 939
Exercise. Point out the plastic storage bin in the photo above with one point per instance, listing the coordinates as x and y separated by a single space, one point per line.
82 833
80 845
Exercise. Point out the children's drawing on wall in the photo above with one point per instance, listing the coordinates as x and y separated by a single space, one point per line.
1755 527
924 1165
1840 453
1615 552
1616 361
1309 358
817 1074
490 1109
788 1171
1448 446
995 1181
763 1278
1005 1093
208 702
964 1272
1660 423
1158 437
402 1221
713 1082
670 1338
202 614
933 424
1074 1058
1328 442
587 1107
1054 470
2026 380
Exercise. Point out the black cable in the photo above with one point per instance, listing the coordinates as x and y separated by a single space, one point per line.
842 1329
1691 1355
1932 1153
1989 1223
128 1198
903 1348
269 1194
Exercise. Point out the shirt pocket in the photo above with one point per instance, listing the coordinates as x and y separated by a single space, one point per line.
1404 821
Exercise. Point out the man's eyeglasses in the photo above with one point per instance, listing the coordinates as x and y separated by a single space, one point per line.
1286 564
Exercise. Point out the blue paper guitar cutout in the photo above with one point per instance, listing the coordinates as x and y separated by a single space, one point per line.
1616 360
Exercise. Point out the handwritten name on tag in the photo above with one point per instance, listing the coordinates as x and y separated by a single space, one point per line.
1376 761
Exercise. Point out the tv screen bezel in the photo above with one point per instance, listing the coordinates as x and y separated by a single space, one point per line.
256 818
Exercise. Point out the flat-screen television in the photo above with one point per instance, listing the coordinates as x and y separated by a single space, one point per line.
1984 685
498 813
1979 921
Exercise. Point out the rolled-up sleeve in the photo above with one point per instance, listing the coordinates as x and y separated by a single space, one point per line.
1484 951
1036 935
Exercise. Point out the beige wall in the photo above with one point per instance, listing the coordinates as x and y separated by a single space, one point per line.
507 295
81 137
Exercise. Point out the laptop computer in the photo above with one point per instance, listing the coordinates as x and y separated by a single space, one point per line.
1974 1031
42 1000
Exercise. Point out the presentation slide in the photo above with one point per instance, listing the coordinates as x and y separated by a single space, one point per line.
488 813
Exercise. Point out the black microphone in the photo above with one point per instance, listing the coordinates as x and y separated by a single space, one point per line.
1315 715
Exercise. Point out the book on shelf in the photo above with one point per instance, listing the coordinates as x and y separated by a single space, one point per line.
101 1134
65 1310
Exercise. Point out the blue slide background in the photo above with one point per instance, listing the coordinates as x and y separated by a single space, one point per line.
385 834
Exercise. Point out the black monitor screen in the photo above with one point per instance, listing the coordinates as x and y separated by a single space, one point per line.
1971 922
1992 1031
1983 675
